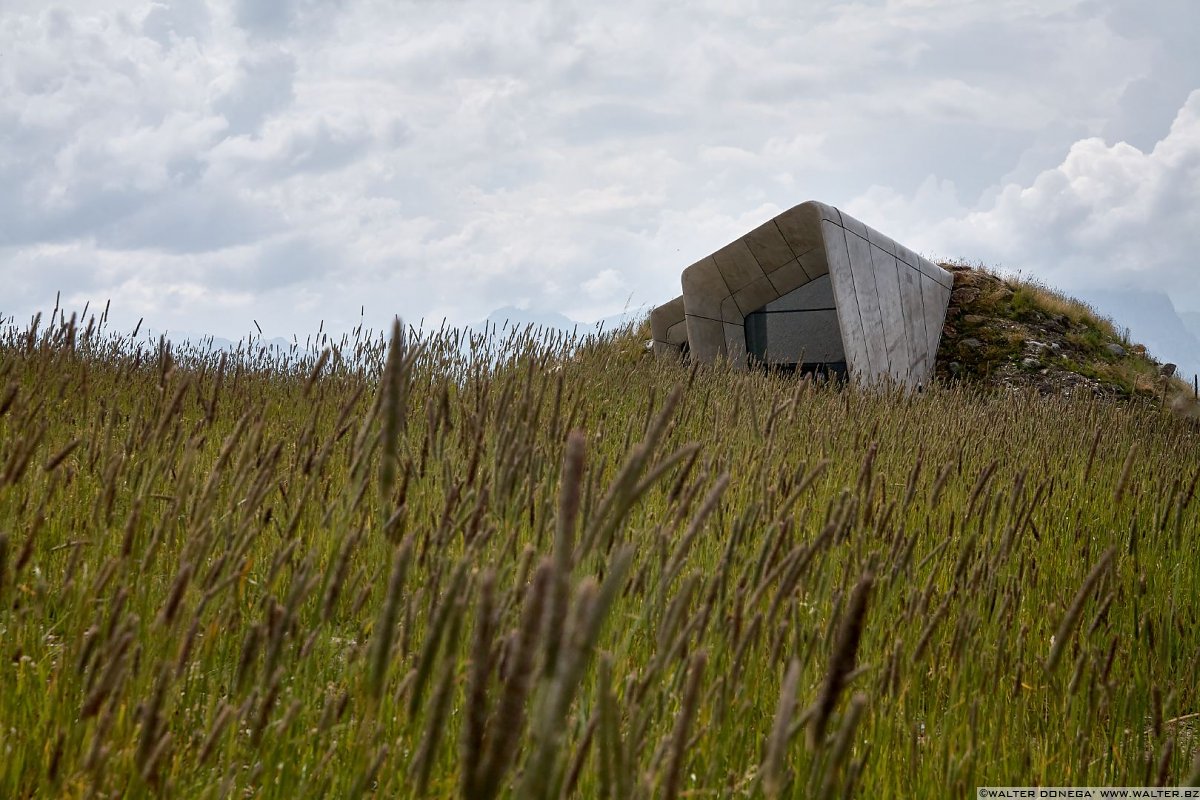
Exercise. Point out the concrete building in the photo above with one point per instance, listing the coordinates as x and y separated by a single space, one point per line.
813 290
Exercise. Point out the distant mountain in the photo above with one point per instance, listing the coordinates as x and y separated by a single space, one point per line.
629 315
1153 321
213 343
519 318
1192 320
516 317
502 319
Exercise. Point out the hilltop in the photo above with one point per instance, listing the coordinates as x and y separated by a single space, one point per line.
1019 335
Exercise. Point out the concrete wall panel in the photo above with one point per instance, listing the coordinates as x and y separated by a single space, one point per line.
895 333
815 263
730 312
919 364
854 226
737 265
769 247
907 256
823 211
754 296
797 337
703 289
735 345
801 229
668 327
677 334
884 243
706 339
862 267
936 299
854 339
817 295
789 275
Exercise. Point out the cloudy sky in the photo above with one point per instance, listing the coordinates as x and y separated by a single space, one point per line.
206 163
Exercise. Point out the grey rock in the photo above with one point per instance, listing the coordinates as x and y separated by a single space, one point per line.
964 296
1167 370
971 343
1115 350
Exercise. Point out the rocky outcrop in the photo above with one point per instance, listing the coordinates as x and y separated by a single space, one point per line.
1014 335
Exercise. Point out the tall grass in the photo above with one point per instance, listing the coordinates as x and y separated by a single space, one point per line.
434 565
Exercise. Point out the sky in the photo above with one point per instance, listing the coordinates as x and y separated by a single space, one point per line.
212 165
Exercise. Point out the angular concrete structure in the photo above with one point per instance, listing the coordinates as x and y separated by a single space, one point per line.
816 290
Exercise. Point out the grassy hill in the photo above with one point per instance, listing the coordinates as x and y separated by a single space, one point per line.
571 570
1017 334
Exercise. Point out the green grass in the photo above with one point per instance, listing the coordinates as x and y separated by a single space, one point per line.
283 575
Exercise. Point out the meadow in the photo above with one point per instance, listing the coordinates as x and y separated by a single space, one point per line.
436 565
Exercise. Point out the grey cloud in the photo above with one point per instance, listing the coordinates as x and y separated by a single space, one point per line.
608 120
1172 21
194 219
1147 105
1145 108
280 265
290 147
183 19
80 220
1109 215
322 147
31 279
98 124
267 18
264 85
279 18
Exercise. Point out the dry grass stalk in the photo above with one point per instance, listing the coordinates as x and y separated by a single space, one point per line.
570 489
475 712
842 661
1070 620
683 726
385 628
507 724
774 770
439 706
842 744
1126 470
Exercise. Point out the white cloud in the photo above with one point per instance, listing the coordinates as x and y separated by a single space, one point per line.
1111 223
263 83
605 285
1107 215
